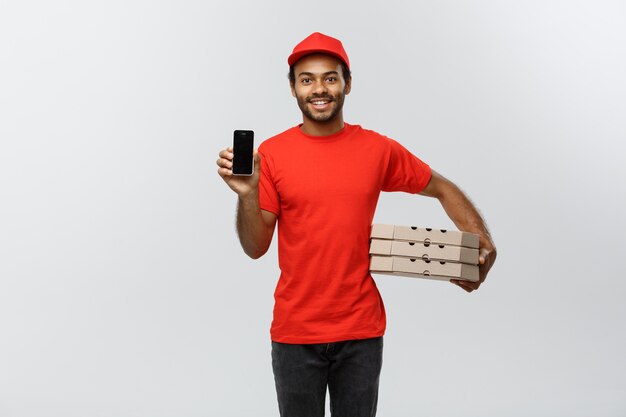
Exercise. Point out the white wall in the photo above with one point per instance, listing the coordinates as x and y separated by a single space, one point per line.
123 289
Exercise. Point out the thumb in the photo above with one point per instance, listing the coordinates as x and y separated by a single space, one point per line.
484 253
257 161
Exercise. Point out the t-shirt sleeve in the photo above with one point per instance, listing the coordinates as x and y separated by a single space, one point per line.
405 172
268 196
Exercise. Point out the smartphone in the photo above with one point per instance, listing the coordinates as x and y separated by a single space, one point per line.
243 147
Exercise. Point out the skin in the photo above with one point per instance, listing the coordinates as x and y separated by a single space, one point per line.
466 217
318 77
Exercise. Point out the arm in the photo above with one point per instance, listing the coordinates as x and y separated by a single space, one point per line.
466 217
255 227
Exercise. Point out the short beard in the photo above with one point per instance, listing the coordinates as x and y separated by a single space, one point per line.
303 101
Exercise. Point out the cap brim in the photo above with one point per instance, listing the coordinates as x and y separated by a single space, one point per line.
293 58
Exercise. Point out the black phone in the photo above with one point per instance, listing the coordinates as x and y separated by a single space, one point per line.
243 148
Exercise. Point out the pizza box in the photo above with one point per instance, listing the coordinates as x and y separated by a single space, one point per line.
417 268
421 234
424 251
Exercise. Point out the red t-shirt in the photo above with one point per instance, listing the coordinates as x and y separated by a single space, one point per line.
324 191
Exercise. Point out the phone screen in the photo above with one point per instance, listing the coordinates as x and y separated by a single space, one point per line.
243 147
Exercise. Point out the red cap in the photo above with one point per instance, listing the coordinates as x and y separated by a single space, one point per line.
319 43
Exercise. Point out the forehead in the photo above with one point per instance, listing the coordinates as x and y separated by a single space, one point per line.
317 64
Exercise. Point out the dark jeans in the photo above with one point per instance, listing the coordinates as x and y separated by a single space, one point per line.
350 369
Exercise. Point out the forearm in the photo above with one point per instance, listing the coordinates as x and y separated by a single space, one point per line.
254 234
464 214
459 208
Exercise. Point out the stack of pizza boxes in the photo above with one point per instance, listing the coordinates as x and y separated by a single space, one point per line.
424 253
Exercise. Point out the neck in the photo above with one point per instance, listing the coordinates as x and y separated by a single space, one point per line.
315 128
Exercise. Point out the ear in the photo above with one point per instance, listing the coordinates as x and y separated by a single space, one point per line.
293 88
348 87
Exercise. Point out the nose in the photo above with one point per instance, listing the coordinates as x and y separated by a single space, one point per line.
320 87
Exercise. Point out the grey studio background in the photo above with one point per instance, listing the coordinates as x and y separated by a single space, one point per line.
123 289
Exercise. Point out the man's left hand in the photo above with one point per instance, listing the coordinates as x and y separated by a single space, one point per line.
486 258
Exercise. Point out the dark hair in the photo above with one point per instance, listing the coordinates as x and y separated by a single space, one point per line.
344 70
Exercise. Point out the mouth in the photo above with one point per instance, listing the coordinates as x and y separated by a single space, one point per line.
320 103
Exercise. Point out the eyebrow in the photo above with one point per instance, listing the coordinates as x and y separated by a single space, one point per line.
310 74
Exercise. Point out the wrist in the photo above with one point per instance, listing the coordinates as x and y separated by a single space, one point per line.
249 197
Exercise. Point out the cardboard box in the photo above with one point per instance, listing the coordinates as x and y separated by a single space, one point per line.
419 234
424 250
417 268
382 231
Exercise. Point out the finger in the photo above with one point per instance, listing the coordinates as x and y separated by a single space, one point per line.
482 257
466 285
224 163
224 172
457 283
226 154
257 161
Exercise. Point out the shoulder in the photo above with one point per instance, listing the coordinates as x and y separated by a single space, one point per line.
369 134
374 140
277 141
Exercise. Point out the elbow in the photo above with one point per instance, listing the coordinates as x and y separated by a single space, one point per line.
255 252
255 245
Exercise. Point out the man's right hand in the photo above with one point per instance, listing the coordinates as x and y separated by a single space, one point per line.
241 184
255 227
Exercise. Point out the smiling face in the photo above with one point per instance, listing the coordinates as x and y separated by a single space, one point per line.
320 89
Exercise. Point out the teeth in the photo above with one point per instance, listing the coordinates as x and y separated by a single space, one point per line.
319 102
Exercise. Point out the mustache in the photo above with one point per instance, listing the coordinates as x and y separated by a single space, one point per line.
320 97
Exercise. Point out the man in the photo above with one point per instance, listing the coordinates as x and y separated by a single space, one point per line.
320 181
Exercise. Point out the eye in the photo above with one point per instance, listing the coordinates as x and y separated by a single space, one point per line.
331 79
305 80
